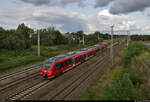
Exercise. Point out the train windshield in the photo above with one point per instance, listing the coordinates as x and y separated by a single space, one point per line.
47 66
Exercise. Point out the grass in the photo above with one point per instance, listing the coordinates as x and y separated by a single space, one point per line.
128 81
10 60
94 91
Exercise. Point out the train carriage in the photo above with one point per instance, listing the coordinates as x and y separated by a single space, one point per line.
58 64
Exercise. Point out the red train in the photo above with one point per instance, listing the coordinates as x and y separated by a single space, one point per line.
58 64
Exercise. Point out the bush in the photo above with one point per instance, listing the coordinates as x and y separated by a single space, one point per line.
134 49
121 88
123 84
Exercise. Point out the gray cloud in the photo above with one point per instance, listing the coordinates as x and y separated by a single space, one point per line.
55 2
38 2
63 21
79 2
102 3
127 6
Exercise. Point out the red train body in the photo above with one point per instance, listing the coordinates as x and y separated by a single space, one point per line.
58 64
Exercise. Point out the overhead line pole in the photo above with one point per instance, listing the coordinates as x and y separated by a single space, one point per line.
38 32
128 38
111 52
83 40
79 43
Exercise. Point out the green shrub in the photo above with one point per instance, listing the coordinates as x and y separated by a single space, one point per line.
123 84
121 88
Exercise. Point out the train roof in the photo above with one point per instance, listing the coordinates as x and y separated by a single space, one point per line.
60 57
84 49
97 45
71 53
56 58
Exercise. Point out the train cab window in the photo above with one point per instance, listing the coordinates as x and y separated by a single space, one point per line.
47 65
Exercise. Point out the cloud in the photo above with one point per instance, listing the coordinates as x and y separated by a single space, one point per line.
63 20
39 2
79 2
55 2
102 3
127 6
67 21
103 20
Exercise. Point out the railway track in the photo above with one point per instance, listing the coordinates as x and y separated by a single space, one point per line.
26 92
30 90
62 93
28 69
19 85
19 92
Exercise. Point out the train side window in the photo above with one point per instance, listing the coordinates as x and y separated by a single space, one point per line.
62 64
65 63
57 66
76 60
80 57
70 61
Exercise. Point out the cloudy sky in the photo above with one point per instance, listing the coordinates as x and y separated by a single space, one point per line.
74 15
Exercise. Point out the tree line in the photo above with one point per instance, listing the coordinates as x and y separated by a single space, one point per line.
140 37
24 37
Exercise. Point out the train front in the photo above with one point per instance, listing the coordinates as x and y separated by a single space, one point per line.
46 71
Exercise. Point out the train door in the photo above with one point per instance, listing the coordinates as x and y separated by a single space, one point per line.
73 62
57 68
66 65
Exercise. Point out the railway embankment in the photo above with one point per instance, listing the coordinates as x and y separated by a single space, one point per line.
128 80
31 84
